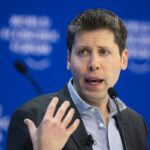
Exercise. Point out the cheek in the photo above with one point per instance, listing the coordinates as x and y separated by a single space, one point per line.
116 71
77 74
113 65
112 72
77 66
77 71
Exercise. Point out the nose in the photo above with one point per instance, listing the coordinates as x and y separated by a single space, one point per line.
94 63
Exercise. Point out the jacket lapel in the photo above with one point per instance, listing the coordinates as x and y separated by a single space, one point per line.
80 136
129 134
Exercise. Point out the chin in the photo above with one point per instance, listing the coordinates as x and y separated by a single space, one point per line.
93 96
94 101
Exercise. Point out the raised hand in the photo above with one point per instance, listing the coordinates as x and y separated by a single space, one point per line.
53 132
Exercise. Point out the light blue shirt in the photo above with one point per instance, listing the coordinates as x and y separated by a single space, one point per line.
105 137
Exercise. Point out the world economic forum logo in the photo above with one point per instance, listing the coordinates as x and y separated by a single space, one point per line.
138 44
32 37
4 122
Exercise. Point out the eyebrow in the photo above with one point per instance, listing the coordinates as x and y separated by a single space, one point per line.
81 47
87 47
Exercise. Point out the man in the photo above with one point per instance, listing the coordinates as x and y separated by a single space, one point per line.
82 116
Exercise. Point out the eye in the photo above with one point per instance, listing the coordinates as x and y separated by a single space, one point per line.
104 51
83 52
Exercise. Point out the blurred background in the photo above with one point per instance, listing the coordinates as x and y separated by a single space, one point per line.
33 51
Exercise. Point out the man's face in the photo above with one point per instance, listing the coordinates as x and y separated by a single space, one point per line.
95 63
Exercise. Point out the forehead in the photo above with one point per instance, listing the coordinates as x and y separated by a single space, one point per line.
102 37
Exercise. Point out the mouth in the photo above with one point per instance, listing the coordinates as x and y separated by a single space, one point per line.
94 81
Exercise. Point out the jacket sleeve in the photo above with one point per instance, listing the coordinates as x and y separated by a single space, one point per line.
146 132
18 137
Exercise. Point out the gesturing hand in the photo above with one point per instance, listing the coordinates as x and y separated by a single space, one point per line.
53 132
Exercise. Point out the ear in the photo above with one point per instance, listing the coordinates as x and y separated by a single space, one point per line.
68 59
124 59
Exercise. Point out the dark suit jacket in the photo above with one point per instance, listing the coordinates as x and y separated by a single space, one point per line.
19 138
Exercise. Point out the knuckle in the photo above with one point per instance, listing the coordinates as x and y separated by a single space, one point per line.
66 103
69 118
61 128
71 112
46 120
61 111
51 108
54 123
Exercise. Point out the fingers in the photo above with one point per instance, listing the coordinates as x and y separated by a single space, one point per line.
53 128
68 117
51 107
73 127
66 121
61 117
62 110
30 124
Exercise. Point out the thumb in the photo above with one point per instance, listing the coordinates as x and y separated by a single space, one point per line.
30 124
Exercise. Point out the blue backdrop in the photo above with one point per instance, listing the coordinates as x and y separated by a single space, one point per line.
35 32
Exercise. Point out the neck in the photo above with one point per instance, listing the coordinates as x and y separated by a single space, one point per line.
103 108
104 111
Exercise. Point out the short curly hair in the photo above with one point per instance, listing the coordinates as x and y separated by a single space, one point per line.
94 19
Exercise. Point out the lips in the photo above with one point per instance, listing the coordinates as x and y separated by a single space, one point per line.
93 81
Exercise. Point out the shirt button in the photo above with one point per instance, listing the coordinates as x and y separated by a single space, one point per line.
92 109
101 125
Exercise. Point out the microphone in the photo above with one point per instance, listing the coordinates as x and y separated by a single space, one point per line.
113 95
23 69
90 140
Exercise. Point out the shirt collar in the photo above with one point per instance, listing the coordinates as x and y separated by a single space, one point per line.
83 106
